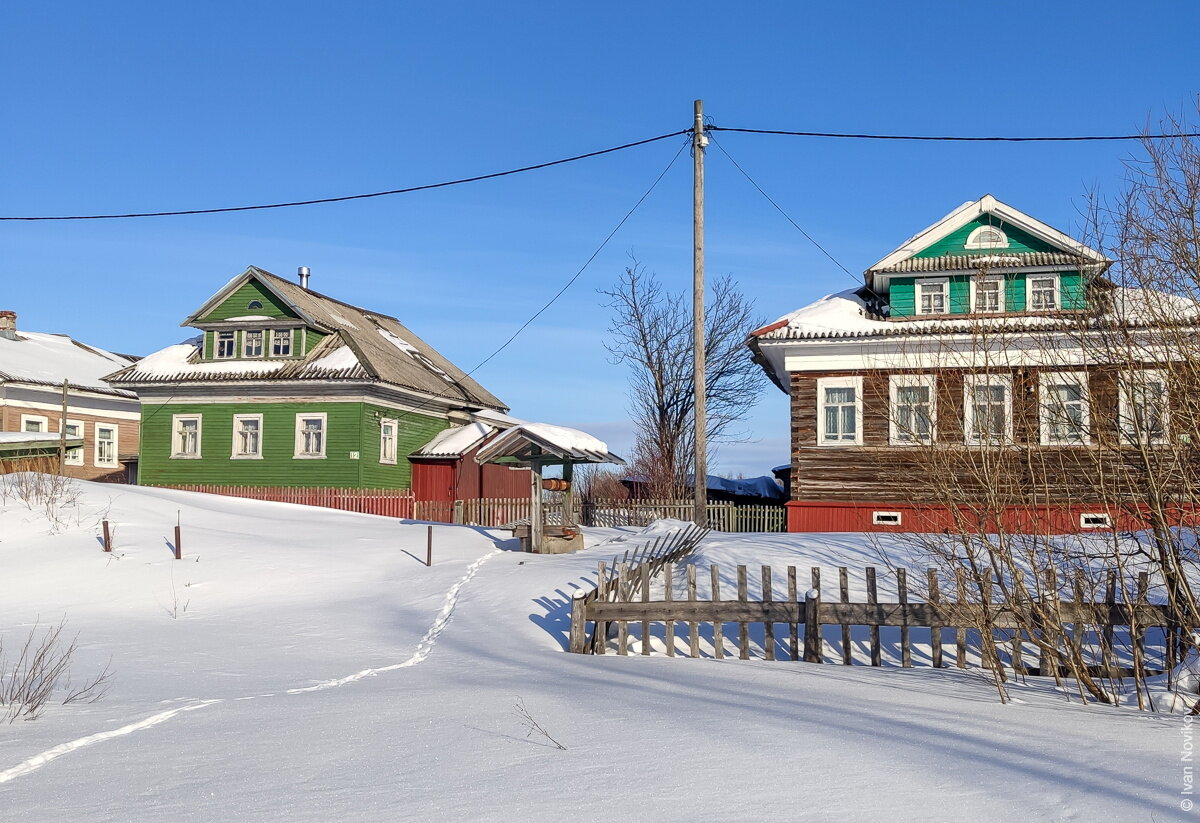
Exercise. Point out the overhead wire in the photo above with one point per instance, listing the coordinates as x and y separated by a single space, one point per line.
955 138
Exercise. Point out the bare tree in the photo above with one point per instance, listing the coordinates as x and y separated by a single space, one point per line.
652 333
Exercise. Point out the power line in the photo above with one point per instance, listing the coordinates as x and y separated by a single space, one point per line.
948 138
347 197
779 209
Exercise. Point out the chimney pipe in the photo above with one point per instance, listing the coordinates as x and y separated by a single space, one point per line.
303 272
8 325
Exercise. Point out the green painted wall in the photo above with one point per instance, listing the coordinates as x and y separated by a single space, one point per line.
236 305
1018 241
349 427
311 339
902 293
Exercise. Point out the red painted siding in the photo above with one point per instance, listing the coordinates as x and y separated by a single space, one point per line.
433 479
461 478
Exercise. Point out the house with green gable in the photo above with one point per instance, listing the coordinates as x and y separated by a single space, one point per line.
976 361
287 387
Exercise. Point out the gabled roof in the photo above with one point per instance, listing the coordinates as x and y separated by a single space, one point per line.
528 441
49 359
973 210
363 345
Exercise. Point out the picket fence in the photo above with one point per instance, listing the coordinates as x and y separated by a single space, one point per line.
385 502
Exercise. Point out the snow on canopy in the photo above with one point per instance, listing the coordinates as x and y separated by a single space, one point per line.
559 441
49 359
455 442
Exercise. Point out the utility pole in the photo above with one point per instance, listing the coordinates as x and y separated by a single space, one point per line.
700 473
62 433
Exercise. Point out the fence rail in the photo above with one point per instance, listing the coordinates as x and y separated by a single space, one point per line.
386 502
618 606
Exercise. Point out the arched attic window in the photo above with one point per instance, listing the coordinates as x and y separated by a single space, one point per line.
986 237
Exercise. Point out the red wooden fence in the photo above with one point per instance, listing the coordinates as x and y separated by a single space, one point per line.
386 502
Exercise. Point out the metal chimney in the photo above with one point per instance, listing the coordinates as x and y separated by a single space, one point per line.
303 272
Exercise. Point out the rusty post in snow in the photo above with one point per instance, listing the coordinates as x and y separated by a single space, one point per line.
429 547
178 545
107 538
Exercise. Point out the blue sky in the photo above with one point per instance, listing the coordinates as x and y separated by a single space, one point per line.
156 106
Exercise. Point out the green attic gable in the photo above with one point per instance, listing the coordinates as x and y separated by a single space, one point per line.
238 304
1019 241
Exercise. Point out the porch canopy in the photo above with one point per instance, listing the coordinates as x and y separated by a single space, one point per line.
540 444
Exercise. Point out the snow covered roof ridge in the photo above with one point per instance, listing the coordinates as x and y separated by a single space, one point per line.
43 358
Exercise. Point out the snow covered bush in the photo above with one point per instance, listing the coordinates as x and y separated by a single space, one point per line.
41 672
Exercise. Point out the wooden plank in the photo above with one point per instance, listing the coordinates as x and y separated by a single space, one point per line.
693 626
718 626
793 628
935 630
844 592
1106 633
1078 624
960 634
669 595
902 596
578 623
644 585
623 597
872 599
1139 635
743 628
812 622
600 627
1047 664
768 626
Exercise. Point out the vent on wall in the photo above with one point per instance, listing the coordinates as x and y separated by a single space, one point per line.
1095 520
886 518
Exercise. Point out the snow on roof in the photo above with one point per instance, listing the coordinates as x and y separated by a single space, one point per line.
456 441
36 357
179 362
249 317
519 442
32 437
845 314
342 357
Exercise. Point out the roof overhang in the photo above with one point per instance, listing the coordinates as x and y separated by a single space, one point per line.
535 443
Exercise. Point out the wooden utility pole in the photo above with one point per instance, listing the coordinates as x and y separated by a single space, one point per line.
700 472
62 436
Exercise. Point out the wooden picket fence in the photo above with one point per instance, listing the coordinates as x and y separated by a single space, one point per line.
386 502
621 599
722 517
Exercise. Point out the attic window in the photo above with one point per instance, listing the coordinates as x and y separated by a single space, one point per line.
986 237
254 304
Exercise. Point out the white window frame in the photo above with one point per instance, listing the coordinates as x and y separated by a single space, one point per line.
974 292
1029 291
236 440
944 282
855 383
1103 520
300 454
217 345
282 334
42 420
1047 379
383 456
74 453
177 442
898 381
1125 417
262 343
98 442
971 381
887 518
973 241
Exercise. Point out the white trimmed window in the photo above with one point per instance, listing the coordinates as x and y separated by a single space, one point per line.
35 423
225 345
247 436
839 411
310 435
281 343
185 436
987 295
933 296
987 409
913 404
1041 292
252 343
387 440
106 444
75 453
1143 407
986 237
1064 414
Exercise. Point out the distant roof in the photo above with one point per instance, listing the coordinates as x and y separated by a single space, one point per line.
363 345
23 442
49 359
765 487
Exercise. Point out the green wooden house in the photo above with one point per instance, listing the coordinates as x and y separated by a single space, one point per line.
286 387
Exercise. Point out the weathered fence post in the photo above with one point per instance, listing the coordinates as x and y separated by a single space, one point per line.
902 596
578 622
812 626
107 538
429 547
873 599
935 629
844 591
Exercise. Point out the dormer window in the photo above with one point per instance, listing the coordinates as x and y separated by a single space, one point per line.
252 343
1043 292
932 296
986 237
281 343
225 345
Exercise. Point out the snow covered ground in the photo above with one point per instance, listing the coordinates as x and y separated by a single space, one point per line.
304 664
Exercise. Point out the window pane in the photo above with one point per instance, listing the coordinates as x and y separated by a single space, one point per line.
831 422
